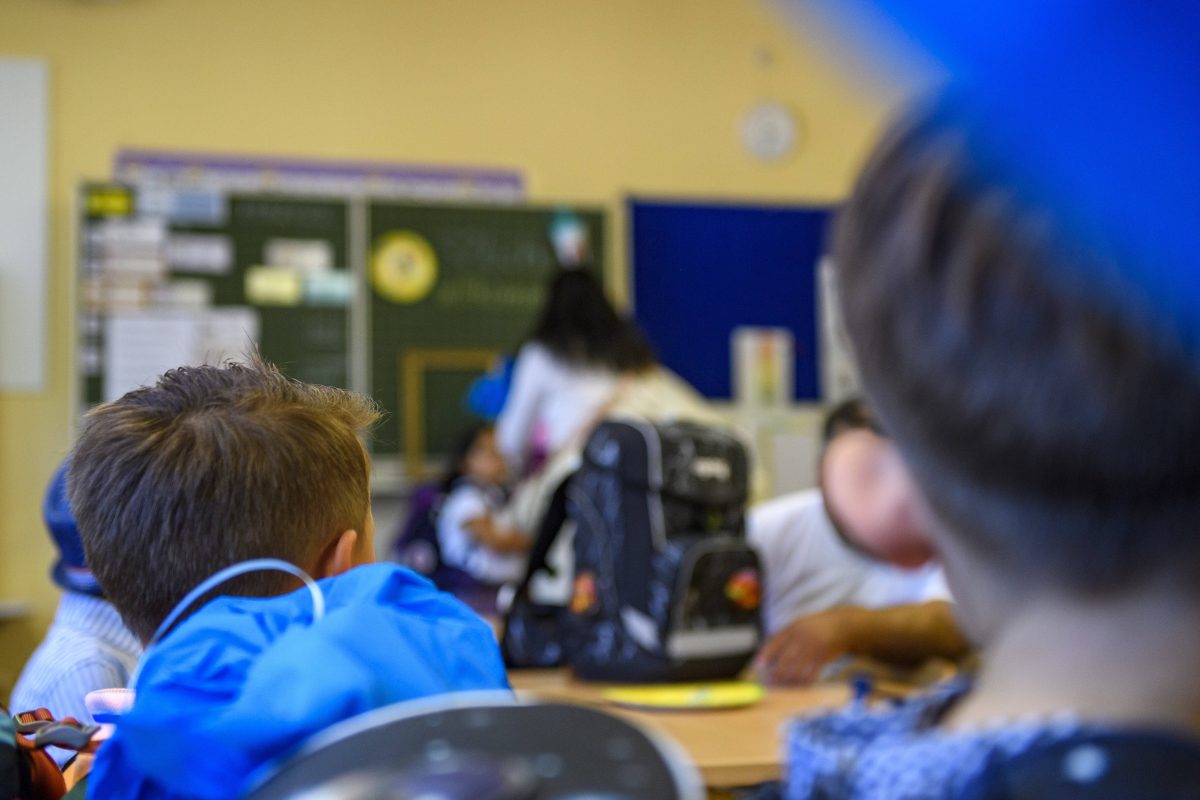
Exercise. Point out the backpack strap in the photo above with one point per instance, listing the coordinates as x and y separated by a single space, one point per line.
533 634
548 532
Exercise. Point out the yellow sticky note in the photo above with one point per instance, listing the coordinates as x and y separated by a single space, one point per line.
111 201
274 286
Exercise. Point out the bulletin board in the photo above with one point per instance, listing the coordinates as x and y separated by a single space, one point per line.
408 302
211 282
702 269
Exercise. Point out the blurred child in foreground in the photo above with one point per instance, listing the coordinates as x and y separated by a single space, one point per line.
1051 430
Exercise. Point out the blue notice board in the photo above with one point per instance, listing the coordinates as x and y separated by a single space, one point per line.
701 270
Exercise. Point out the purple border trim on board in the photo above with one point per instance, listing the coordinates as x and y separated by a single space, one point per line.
325 168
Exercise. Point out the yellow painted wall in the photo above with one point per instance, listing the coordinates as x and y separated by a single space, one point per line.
590 99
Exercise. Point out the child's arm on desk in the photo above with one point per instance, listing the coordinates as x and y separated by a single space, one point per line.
901 635
496 537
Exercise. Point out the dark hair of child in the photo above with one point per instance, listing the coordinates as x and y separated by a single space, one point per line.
580 326
456 464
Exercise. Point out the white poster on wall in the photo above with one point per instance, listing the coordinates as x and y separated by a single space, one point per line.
24 134
141 346
763 375
839 372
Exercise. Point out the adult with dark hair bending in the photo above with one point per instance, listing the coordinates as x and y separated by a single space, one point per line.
582 362
568 371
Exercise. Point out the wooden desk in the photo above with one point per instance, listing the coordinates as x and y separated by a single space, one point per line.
735 747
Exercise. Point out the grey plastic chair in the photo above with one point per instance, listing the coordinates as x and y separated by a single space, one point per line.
484 746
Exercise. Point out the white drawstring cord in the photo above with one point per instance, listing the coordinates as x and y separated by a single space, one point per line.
215 580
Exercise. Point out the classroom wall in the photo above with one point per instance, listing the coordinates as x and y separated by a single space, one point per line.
589 99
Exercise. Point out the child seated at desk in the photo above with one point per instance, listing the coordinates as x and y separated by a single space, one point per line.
1051 428
215 468
847 570
469 535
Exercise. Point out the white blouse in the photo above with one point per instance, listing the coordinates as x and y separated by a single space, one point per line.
808 568
551 399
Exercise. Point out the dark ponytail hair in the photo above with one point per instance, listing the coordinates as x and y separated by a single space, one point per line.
579 326
458 455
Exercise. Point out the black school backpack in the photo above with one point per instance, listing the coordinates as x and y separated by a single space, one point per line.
666 588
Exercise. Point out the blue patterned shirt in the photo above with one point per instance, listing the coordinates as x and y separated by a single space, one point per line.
901 754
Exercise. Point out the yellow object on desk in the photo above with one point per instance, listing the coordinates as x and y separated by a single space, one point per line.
685 696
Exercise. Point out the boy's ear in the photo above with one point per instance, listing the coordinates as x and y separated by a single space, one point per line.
339 556
912 539
873 500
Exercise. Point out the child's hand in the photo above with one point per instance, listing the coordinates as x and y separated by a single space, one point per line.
796 654
902 635
497 538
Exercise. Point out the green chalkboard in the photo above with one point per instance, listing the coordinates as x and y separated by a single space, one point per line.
309 341
449 285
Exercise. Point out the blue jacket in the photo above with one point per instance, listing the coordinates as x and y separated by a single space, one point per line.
242 682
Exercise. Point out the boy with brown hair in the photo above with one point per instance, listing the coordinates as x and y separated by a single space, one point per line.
214 467
1051 427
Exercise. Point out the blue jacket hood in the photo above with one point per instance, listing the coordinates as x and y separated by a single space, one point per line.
244 681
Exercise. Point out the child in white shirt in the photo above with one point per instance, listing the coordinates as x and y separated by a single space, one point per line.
469 535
